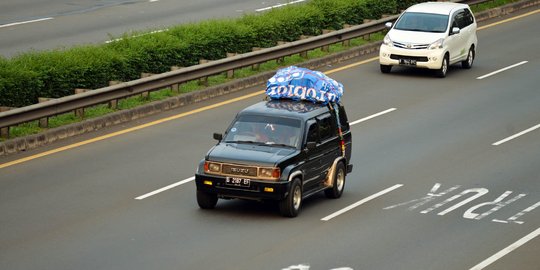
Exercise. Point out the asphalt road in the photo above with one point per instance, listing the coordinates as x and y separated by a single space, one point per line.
54 24
446 176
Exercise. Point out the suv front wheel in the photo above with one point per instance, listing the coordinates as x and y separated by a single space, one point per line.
206 200
290 206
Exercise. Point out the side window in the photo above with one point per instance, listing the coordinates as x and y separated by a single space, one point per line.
313 131
468 18
343 119
461 19
327 128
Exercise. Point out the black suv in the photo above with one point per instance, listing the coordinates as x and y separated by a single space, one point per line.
281 150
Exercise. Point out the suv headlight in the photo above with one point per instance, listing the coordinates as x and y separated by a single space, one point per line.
273 173
211 167
437 44
387 41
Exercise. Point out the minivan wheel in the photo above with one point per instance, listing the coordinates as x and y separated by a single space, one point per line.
441 73
470 59
338 183
386 68
290 206
206 200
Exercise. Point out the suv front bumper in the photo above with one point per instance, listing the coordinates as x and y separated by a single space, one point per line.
257 190
431 59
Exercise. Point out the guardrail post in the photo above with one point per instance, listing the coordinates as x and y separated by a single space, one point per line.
80 112
304 54
367 36
146 95
204 80
346 43
113 104
4 132
43 122
175 87
230 73
281 59
326 48
255 66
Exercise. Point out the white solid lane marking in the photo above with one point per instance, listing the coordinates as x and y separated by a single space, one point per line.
165 188
507 250
365 200
280 5
501 70
516 135
25 22
372 116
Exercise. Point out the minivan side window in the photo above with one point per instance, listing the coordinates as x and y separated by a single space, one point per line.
462 19
468 18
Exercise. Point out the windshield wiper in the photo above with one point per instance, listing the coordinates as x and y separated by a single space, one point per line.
280 144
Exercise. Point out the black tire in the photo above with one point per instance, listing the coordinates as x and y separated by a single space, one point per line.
206 200
467 64
386 68
290 206
338 183
441 73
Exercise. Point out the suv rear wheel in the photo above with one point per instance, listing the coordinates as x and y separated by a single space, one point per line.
338 183
290 206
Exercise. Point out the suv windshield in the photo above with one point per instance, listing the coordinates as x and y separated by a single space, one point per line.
422 22
265 130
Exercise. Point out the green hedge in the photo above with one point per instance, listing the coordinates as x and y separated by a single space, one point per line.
54 74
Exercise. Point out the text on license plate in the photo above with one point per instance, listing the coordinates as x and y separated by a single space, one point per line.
409 62
238 182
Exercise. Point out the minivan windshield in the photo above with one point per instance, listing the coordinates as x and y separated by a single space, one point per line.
422 22
267 130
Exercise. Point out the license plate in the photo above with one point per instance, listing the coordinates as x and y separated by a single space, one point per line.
237 182
408 62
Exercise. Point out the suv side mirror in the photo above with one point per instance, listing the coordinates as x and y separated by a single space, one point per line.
388 25
311 145
455 30
218 136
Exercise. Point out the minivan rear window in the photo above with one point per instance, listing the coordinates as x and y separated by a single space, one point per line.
422 22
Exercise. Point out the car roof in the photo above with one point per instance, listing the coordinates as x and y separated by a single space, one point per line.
436 7
286 108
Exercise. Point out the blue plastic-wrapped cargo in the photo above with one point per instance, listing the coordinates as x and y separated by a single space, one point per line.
303 84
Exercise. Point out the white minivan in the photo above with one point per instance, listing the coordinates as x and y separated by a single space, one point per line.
430 35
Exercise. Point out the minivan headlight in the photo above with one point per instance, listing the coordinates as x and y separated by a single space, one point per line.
387 41
437 44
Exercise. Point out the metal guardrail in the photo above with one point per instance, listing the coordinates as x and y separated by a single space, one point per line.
126 89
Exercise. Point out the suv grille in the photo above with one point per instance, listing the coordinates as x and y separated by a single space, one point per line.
239 170
410 46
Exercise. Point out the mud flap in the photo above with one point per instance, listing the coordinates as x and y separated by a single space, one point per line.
331 173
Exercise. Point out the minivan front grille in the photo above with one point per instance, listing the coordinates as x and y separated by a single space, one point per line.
410 46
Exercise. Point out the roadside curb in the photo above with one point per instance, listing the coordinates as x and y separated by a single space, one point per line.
50 136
